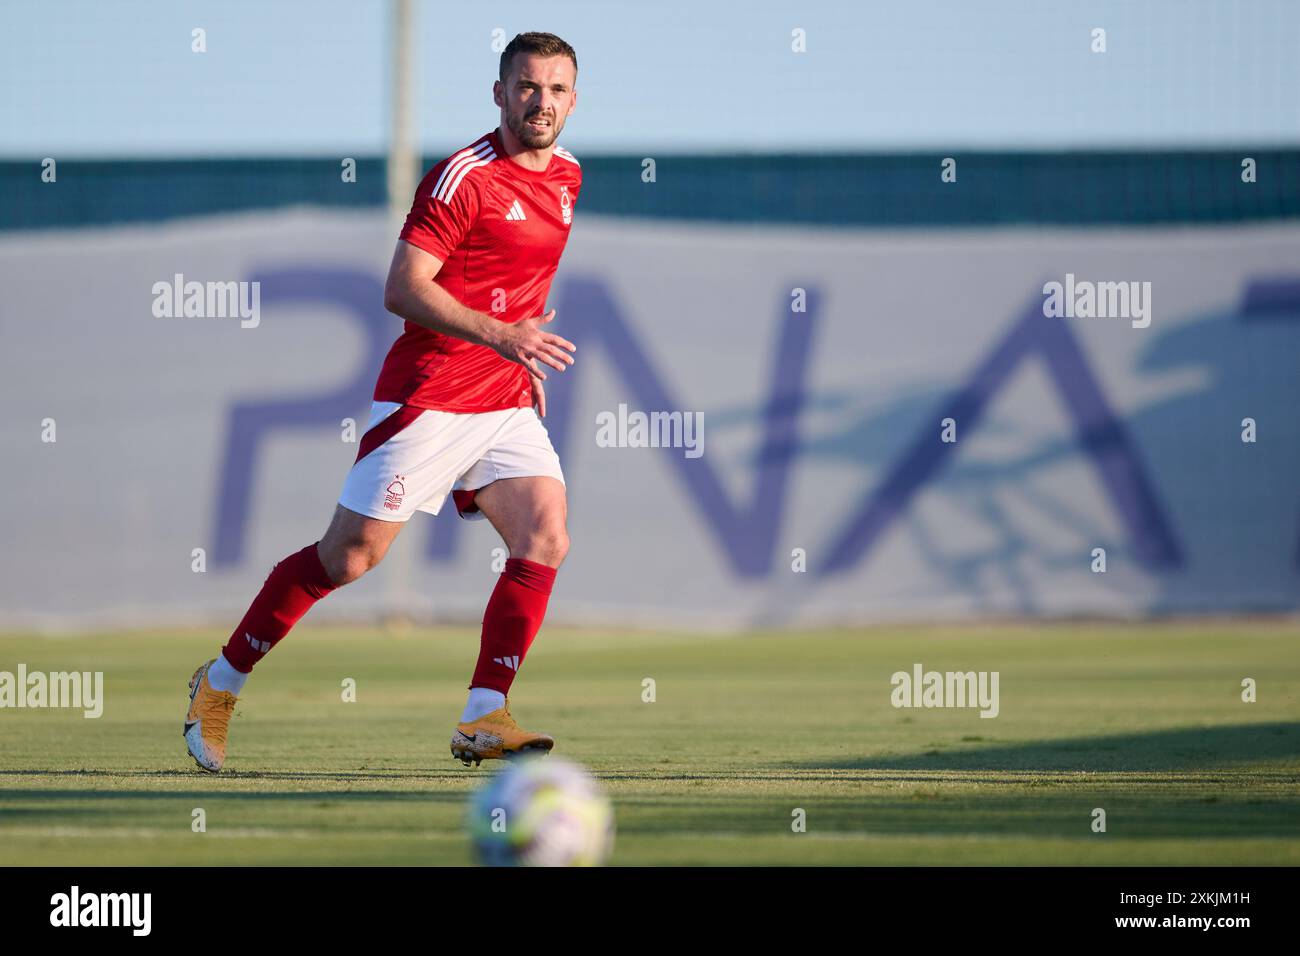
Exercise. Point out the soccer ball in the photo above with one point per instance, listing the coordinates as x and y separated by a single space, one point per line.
541 811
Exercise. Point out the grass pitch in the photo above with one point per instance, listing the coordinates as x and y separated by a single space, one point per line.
1144 721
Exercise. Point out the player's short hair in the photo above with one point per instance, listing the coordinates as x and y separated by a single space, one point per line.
538 44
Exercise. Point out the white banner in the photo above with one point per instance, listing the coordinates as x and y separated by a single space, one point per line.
853 425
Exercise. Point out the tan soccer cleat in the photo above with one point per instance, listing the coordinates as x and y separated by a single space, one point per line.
495 736
207 720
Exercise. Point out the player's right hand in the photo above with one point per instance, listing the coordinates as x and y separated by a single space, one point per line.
524 342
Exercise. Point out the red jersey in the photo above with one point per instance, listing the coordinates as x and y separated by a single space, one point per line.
499 230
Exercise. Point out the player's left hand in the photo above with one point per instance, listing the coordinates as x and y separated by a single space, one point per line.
539 396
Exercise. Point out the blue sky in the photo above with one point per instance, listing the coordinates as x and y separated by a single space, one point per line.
117 78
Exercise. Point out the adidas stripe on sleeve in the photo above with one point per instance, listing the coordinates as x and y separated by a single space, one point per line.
446 204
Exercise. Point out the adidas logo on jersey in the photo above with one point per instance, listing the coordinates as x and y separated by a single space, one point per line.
511 662
516 211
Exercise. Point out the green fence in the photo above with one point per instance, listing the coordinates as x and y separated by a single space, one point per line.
833 189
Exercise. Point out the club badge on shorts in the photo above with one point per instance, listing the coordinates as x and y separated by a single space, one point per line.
393 494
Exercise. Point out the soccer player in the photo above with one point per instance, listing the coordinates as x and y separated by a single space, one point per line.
457 407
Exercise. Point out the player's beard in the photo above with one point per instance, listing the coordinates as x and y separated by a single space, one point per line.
530 137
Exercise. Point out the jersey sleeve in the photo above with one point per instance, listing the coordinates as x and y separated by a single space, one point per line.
440 219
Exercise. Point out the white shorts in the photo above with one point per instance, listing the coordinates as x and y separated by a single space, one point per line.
410 458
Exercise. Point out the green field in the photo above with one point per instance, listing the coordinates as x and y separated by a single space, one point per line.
1144 721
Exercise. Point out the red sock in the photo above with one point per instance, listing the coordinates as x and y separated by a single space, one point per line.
514 613
292 587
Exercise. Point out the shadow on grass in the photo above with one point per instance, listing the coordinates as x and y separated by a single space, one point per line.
398 776
1184 748
11 800
1136 814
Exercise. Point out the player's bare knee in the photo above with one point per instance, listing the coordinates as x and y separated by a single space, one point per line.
560 546
350 561
365 556
546 545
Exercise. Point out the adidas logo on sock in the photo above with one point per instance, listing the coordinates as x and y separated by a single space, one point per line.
262 646
511 662
516 211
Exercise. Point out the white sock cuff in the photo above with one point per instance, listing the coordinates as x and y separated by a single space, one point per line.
222 676
482 700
